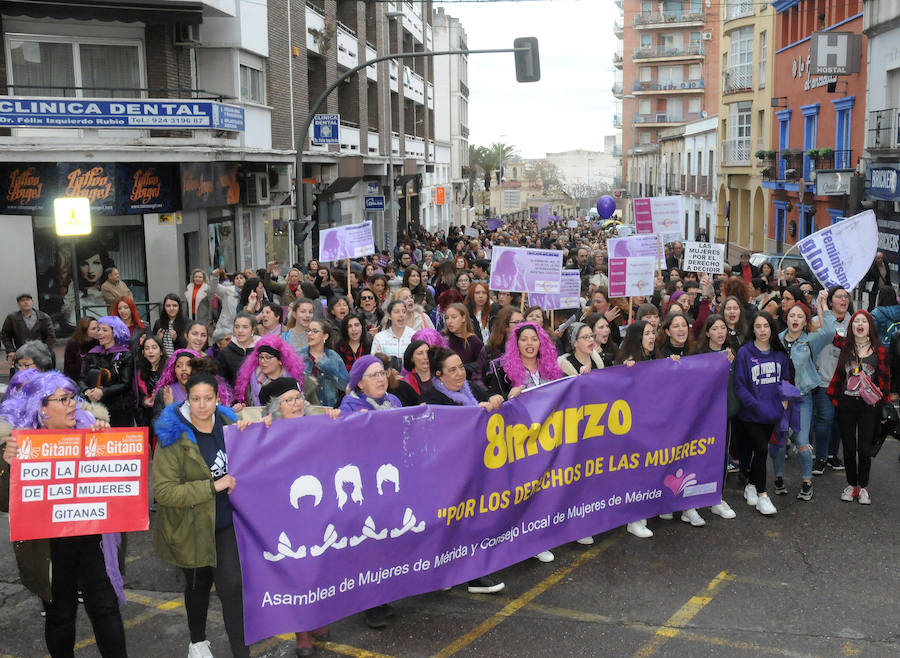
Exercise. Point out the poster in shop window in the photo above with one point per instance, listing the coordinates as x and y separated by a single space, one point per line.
66 483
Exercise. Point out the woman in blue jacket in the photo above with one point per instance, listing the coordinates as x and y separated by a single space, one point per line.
759 368
803 347
323 363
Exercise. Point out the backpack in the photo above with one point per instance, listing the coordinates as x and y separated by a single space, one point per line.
892 328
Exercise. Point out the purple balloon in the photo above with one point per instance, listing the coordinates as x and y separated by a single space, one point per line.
606 206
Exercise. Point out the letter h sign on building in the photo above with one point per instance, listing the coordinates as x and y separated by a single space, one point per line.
78 482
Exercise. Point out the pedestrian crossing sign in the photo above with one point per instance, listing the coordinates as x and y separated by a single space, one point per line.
73 216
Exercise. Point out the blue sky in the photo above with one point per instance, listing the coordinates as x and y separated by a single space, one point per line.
572 105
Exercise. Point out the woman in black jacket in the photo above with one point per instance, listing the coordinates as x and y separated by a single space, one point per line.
108 370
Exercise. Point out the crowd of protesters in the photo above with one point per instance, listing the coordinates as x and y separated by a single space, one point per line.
810 378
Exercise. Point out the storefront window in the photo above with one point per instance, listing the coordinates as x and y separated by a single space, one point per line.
222 244
279 239
115 242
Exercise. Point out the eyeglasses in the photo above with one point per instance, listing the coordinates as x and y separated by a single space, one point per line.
375 375
313 331
292 400
586 337
266 357
64 400
366 298
841 295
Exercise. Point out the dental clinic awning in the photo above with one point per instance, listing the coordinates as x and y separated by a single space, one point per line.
106 10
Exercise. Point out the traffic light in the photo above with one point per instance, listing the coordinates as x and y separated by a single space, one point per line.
528 60
308 201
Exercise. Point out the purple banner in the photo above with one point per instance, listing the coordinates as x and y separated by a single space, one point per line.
494 224
335 517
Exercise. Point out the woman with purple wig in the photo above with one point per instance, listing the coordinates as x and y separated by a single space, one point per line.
58 569
530 360
108 369
270 359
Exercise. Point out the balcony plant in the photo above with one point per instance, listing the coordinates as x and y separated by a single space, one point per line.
826 155
770 155
767 173
813 154
763 154
791 174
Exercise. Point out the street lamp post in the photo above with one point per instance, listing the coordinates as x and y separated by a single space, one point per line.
391 214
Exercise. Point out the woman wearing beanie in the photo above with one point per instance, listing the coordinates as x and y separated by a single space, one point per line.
759 368
862 358
803 347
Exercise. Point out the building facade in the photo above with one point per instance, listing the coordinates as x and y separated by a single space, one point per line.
881 25
179 122
670 70
745 121
818 129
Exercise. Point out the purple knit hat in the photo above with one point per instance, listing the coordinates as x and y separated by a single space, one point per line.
359 368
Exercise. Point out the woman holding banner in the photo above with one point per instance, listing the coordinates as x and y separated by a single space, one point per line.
62 569
194 528
530 359
860 387
759 369
450 388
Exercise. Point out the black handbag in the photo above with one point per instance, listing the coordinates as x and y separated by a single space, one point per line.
888 426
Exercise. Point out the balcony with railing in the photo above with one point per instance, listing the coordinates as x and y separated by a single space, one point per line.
372 142
668 19
618 59
668 87
690 184
617 89
736 151
412 21
371 69
415 146
347 47
690 51
350 137
618 28
413 85
735 9
673 183
464 130
658 118
704 186
737 79
617 120
881 133
315 29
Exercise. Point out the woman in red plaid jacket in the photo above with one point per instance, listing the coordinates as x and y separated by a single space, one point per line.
862 357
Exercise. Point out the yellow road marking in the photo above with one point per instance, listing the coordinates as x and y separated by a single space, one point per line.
682 616
517 604
343 649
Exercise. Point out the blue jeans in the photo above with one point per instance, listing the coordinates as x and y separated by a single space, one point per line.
801 440
826 431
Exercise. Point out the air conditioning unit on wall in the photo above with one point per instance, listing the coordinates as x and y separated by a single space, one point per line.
707 36
187 35
257 189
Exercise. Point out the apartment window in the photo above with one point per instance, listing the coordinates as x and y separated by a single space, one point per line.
646 41
695 37
645 73
253 88
738 8
644 138
644 106
763 48
810 128
843 108
694 106
694 72
739 74
784 137
57 66
738 143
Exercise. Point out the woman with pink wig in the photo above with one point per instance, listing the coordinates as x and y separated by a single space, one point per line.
171 385
530 360
270 359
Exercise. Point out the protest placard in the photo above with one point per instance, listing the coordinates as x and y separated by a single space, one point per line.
470 231
630 277
517 269
661 214
841 254
351 241
494 224
411 500
703 257
569 295
572 223
637 245
543 216
78 482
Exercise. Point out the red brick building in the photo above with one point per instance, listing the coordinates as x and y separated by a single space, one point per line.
822 114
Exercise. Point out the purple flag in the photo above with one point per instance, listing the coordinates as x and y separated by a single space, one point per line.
334 517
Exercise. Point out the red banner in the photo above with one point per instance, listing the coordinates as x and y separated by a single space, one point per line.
78 482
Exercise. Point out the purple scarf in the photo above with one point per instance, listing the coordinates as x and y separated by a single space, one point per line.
463 396
111 350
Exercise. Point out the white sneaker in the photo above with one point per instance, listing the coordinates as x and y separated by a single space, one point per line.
750 495
723 510
691 516
545 556
639 529
668 516
765 506
864 497
199 650
586 541
849 493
